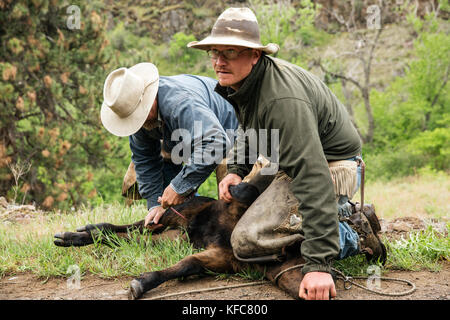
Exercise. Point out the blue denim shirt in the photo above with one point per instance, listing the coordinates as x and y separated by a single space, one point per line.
189 103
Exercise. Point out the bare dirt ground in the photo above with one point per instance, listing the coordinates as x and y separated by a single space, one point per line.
429 285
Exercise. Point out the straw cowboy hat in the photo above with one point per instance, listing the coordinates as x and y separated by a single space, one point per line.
128 95
236 27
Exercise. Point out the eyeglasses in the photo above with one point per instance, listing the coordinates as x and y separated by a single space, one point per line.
229 54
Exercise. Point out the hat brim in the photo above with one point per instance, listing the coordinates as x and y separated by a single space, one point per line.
127 126
209 41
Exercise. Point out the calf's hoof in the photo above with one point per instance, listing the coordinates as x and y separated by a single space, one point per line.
75 239
136 290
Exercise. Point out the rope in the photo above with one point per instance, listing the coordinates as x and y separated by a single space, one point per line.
348 279
209 289
279 274
340 276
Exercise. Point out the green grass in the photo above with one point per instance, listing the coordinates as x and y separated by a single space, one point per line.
29 247
424 249
421 250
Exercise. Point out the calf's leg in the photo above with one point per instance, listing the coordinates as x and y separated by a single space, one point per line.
100 232
113 228
216 259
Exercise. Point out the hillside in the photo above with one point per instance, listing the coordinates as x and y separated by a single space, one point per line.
161 19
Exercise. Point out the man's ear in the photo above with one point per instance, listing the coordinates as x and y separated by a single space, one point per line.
256 54
153 114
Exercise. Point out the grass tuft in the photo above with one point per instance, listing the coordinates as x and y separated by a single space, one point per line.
424 249
420 250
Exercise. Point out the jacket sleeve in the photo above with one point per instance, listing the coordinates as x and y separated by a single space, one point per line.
238 161
203 135
301 156
148 162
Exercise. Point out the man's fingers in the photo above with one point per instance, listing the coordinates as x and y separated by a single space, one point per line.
156 219
154 215
224 193
322 294
148 219
333 292
302 292
227 196
221 190
162 203
312 294
326 294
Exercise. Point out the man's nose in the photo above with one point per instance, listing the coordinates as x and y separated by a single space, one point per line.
221 60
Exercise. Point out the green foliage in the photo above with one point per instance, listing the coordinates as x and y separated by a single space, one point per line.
209 187
180 53
280 21
179 59
128 49
291 25
292 28
50 98
51 92
434 145
445 5
412 114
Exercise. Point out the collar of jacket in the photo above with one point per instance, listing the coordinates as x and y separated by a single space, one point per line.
250 88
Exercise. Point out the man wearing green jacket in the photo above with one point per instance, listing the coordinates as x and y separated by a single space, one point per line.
314 128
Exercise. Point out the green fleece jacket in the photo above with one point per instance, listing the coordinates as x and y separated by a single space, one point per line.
314 128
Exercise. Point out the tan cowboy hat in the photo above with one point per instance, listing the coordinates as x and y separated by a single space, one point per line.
236 27
128 96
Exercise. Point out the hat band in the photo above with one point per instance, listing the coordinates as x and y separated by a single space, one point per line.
131 110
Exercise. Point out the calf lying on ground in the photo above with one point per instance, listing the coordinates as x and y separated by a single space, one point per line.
209 224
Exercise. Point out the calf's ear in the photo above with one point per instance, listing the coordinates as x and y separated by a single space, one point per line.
244 192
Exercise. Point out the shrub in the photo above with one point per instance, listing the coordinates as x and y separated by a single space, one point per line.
51 93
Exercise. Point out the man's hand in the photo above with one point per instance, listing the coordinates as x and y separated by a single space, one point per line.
170 198
154 215
230 179
317 286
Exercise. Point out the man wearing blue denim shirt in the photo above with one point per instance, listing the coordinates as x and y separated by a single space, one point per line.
179 115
